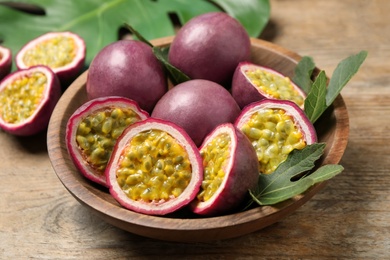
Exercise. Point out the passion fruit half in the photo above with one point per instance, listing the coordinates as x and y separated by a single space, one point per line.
93 129
155 168
63 52
252 82
230 170
275 128
27 100
127 68
198 106
210 46
5 62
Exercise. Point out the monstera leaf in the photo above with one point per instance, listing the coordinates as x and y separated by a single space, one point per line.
100 22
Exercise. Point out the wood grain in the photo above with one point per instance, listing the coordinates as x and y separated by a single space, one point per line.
348 219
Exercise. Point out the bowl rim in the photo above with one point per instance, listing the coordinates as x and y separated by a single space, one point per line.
257 218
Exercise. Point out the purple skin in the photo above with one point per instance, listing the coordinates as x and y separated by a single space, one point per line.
127 68
40 120
65 75
158 207
290 107
5 62
210 46
83 111
241 177
198 106
243 91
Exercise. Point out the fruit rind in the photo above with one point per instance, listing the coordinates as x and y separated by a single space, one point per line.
39 120
156 208
300 120
210 46
290 107
67 73
5 61
127 68
83 111
198 106
244 91
241 174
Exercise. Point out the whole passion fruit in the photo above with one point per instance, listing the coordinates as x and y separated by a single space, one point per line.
275 128
155 168
252 82
63 52
127 68
230 170
27 100
210 46
5 62
198 106
93 129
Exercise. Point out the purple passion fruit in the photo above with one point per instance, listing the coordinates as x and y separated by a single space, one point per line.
155 168
230 170
93 129
63 52
198 106
210 46
127 68
275 128
253 82
27 100
5 62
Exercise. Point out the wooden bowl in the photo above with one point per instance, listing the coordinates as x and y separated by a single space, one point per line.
332 128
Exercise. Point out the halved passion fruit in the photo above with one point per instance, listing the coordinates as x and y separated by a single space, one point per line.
93 129
155 168
252 82
63 52
275 128
230 170
5 61
27 100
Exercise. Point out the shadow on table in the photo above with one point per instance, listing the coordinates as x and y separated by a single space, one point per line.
270 32
32 144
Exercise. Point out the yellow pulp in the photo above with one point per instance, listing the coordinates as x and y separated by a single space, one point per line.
274 135
54 53
154 167
21 98
97 134
274 85
215 156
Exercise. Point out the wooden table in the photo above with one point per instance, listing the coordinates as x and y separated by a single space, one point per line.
350 218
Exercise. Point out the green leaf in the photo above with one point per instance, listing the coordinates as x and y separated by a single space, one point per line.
99 21
320 96
161 53
278 186
315 102
303 72
175 75
253 15
325 172
137 34
342 74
